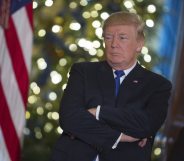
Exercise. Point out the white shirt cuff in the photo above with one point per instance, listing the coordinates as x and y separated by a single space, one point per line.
98 112
117 141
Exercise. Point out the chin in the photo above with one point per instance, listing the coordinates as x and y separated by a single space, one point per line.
115 63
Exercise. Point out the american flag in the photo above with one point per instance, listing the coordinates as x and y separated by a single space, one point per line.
16 31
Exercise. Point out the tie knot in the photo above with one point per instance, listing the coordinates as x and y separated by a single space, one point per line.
119 73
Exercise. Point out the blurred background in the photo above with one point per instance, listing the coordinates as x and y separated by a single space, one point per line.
69 31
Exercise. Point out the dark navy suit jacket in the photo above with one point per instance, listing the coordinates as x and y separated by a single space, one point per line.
139 110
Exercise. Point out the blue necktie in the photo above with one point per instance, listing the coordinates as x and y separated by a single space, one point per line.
119 74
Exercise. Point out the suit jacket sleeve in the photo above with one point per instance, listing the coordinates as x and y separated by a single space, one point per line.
140 120
76 120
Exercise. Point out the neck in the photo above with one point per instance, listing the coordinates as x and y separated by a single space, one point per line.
121 66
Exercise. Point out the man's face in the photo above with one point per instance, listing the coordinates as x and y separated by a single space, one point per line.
121 45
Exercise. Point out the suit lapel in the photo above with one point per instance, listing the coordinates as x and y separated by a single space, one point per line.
131 84
129 87
106 84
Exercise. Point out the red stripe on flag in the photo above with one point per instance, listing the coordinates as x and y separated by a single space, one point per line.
17 60
8 129
29 10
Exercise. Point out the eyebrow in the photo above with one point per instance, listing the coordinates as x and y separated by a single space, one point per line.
108 33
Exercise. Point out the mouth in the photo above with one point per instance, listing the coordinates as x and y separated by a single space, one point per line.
115 54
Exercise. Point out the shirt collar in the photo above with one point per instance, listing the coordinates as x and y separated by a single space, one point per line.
127 71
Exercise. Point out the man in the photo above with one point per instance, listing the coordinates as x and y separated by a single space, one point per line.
113 109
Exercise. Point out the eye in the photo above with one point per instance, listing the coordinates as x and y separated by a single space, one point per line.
123 37
108 37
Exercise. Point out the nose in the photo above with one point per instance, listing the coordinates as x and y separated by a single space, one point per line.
114 42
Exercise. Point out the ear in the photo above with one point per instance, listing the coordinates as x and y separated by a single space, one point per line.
140 44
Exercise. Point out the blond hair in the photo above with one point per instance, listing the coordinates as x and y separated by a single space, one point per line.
125 18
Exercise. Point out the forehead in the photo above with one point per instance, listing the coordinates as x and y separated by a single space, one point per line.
120 29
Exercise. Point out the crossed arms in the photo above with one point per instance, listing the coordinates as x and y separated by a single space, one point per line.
123 137
136 124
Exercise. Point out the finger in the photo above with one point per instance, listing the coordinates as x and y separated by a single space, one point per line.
142 143
145 141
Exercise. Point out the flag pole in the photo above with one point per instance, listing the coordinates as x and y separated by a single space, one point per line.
4 13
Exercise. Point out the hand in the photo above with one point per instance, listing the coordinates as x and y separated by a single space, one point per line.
92 111
126 138
143 142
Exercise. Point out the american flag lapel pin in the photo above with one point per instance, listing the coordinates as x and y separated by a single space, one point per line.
135 81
